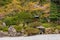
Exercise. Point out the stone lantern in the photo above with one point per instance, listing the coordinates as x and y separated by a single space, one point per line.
42 29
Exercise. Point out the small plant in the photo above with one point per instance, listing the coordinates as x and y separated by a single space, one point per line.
34 24
18 28
46 25
5 29
58 27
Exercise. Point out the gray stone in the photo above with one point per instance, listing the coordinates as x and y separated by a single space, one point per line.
18 34
3 24
2 34
57 31
48 31
12 31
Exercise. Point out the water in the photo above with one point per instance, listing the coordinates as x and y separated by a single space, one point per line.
36 37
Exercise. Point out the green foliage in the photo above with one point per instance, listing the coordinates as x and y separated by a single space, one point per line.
58 27
23 16
30 30
5 29
52 25
46 25
43 20
54 14
4 2
18 28
34 24
42 1
18 17
10 21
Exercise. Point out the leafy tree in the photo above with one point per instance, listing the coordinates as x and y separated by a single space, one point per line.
23 17
53 13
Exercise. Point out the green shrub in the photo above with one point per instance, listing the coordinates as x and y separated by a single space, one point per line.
34 24
43 20
10 21
4 2
53 25
30 30
46 25
5 29
58 27
18 28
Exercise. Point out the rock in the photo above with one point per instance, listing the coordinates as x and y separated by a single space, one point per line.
18 34
25 35
57 31
2 34
4 24
22 31
48 31
12 31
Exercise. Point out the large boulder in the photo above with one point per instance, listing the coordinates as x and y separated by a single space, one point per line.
48 30
56 31
12 31
2 34
18 34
